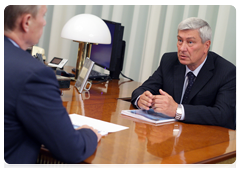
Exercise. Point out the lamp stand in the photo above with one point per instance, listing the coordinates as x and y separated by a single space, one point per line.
84 50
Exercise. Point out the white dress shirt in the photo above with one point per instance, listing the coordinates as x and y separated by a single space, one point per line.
14 43
195 72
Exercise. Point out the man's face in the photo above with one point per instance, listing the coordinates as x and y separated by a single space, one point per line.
36 26
191 51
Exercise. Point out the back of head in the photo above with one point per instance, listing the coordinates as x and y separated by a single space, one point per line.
12 12
205 31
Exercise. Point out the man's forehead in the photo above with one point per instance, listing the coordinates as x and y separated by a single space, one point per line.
188 37
188 34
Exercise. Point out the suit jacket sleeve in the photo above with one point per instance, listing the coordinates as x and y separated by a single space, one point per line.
40 109
162 78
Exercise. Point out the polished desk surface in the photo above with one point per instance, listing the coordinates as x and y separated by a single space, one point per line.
142 143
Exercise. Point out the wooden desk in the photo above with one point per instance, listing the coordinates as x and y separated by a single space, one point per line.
173 143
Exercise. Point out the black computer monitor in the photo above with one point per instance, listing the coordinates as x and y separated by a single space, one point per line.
110 56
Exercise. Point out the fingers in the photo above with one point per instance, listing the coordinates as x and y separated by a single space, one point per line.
158 102
99 136
163 92
165 104
145 100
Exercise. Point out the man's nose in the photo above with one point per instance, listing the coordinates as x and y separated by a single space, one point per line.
183 47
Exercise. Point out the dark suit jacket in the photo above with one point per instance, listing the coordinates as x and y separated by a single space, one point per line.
34 114
212 100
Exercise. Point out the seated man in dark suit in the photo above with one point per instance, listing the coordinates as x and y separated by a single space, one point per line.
206 95
33 111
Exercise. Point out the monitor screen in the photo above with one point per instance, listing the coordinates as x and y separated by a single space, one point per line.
101 53
110 56
107 55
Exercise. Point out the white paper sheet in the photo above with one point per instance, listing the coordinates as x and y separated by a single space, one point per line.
102 126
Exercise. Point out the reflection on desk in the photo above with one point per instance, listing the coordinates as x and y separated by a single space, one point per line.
176 140
172 143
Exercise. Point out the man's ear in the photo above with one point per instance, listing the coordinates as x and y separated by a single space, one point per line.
26 21
207 46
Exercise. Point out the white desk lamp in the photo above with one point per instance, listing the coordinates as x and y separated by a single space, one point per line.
86 29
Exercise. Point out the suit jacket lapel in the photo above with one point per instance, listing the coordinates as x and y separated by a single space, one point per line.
203 77
179 72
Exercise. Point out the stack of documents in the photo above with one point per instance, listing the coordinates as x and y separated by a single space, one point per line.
148 115
103 127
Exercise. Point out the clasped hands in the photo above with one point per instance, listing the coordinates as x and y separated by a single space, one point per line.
162 103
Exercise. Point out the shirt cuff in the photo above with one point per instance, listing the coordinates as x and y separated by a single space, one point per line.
136 101
183 112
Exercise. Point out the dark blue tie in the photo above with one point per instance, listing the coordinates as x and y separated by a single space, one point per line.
191 78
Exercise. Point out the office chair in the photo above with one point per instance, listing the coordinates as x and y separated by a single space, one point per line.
35 49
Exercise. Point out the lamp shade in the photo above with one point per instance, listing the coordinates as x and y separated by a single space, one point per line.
87 28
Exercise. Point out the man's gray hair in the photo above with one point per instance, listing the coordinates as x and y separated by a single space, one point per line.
205 31
12 12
